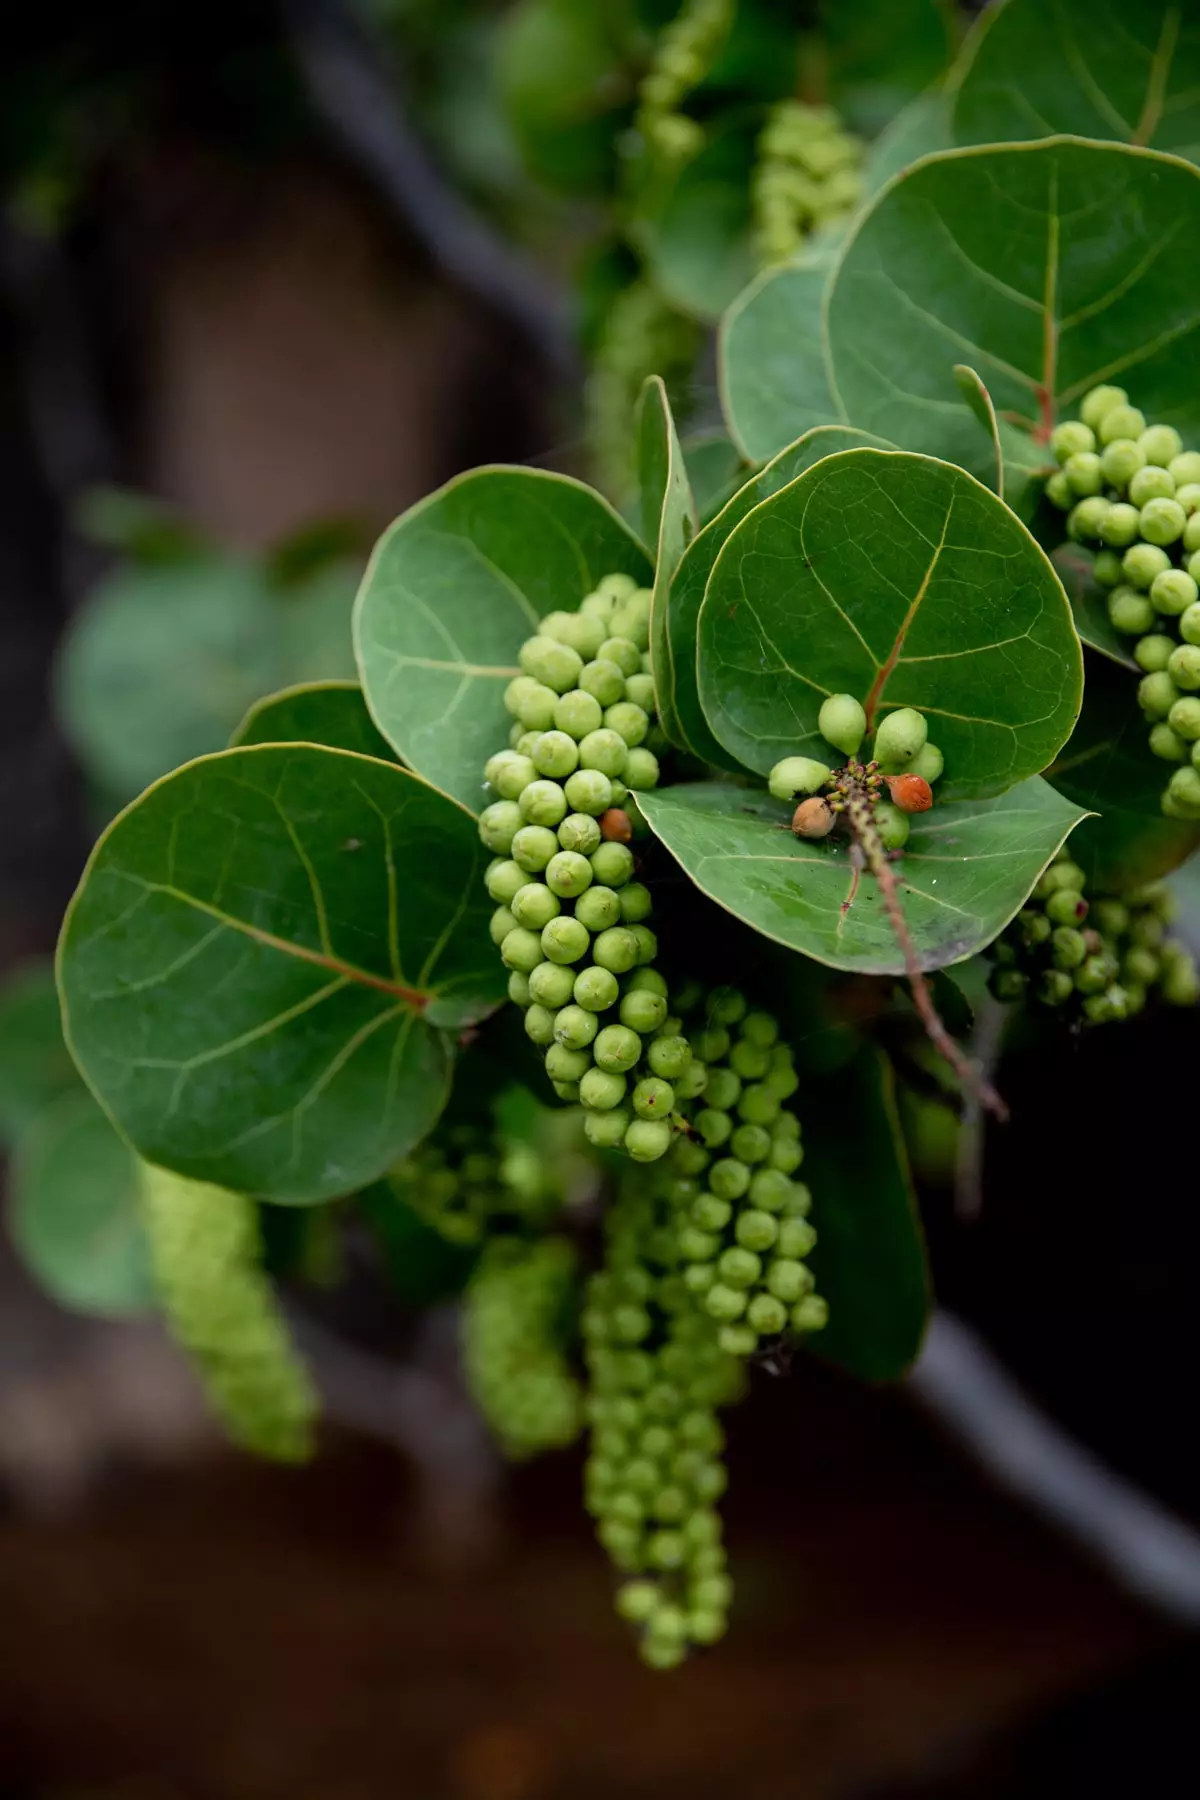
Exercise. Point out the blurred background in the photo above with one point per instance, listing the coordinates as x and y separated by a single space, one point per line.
268 274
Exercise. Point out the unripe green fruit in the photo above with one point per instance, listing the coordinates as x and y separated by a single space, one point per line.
1184 789
1142 562
900 736
646 941
603 681
641 768
495 764
1068 948
518 690
668 1056
578 713
1191 538
1181 982
711 1214
606 1130
568 874
602 1089
1130 611
1058 491
797 775
1055 987
518 988
767 1315
616 1049
565 940
578 832
928 763
648 1139
1099 402
761 1029
756 1230
1120 422
522 740
1184 717
1184 666
566 1065
1189 625
1185 467
535 905
504 879
750 1061
544 803
555 754
751 1143
1084 474
643 1012
636 903
1106 569
810 1314
582 631
539 1024
1086 520
616 949
588 791
1167 743
648 981
1094 974
595 990
1161 443
737 1340
1157 694
723 1088
653 1098
623 652
1173 592
1069 438
1153 653
555 665
637 1601
598 908
604 750
712 1044
535 712
842 723
1066 906
758 1105
640 689
502 922
630 723
499 824
1119 527
786 1155
632 621
1151 483
1120 462
1109 916
892 825
714 1126
521 950
1162 521
796 1238
788 1280
729 1178
1141 966
1062 873
696 1245
612 864
533 846
769 1189
724 1303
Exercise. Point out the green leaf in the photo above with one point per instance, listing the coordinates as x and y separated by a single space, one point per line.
332 713
563 86
921 129
73 1211
1095 68
669 521
691 578
1089 603
882 53
970 386
966 871
35 1064
771 361
1108 767
694 231
715 471
257 962
1031 263
452 591
869 1260
903 581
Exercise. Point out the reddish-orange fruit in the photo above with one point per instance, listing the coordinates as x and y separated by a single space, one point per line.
813 818
615 826
911 793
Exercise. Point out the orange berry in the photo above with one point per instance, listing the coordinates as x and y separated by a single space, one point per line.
911 793
615 826
813 818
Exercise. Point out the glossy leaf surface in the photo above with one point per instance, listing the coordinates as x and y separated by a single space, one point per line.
332 713
669 522
774 380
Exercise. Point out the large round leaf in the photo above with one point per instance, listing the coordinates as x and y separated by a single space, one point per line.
452 591
922 128
903 581
257 962
668 521
333 713
771 360
35 1064
691 578
869 1261
1108 767
966 871
1097 68
1047 267
74 1214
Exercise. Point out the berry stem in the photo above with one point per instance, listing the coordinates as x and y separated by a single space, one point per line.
859 806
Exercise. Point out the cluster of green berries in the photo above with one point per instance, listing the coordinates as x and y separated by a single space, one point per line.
570 921
741 1220
1134 491
1095 960
901 757
642 335
517 1317
808 176
654 1471
465 1182
683 55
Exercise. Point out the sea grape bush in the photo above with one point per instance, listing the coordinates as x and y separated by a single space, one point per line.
612 806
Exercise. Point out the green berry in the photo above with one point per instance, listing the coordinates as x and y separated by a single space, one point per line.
555 665
612 864
606 1130
711 1214
624 653
1157 694
535 712
1184 789
598 908
1161 444
842 723
786 1155
1068 948
518 988
544 803
539 1024
508 773
643 1012
1151 484
1120 462
595 990
632 621
892 825
1162 521
503 921
533 846
1130 611
750 1061
797 775
900 736
1066 906
617 1048
588 791
767 1315
577 713
1153 653
616 949
604 682
555 754
1106 568
697 1246
1191 537
566 1065
810 1314
1120 421
756 1230
499 824
1086 519
751 1143
1119 526
504 880
578 832
1084 474
636 903
582 631
1173 592
646 941
724 1303
641 768
648 1139
1099 402
1189 631
1058 491
1069 438
1185 467
653 1098
601 1089
629 723
568 874
535 905
1142 562
605 751
522 740
521 950
1184 717
714 1126
928 763
1184 667
788 1280
729 1178
648 981
669 1056
796 1238
640 689
565 940
739 1268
